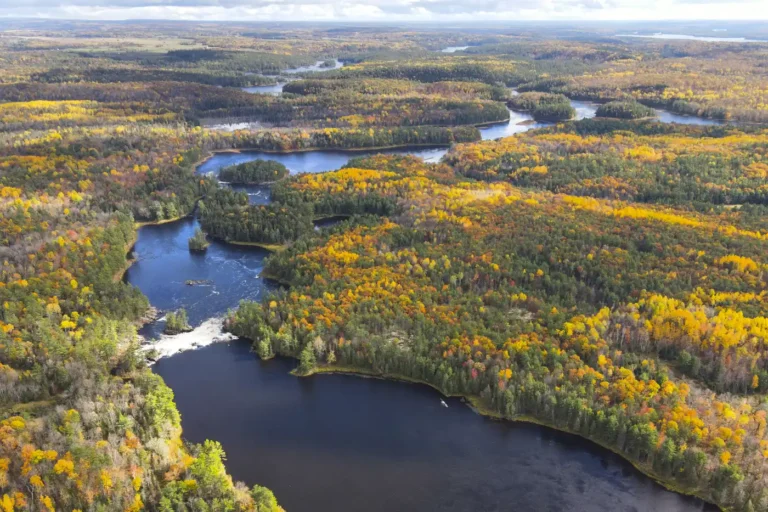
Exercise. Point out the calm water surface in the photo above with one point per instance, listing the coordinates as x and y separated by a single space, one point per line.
341 443
317 66
454 49
687 37
311 161
274 90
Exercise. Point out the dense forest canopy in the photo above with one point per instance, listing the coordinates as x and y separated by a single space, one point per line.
606 276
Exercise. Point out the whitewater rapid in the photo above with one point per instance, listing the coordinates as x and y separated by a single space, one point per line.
209 332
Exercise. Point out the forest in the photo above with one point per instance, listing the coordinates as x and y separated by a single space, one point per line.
605 277
644 332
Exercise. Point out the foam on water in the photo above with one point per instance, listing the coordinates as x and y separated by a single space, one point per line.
208 332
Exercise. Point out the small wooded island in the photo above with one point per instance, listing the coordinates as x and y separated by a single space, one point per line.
256 172
625 110
198 242
543 106
176 322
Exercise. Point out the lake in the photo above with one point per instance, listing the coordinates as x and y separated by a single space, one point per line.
454 49
687 37
274 90
317 66
311 161
342 443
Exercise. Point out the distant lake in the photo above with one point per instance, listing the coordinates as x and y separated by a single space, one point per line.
317 66
454 49
661 35
274 90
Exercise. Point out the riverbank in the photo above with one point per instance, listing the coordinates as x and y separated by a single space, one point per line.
477 405
138 225
118 276
268 247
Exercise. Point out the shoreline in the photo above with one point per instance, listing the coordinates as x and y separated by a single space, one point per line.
475 403
266 247
120 274
213 152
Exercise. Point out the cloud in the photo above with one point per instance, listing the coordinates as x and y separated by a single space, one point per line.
394 10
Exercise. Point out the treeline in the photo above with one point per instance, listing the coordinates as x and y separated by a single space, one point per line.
337 138
380 86
226 214
359 110
115 75
491 70
559 308
640 161
86 424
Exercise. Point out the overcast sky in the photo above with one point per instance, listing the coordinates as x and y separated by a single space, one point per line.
388 10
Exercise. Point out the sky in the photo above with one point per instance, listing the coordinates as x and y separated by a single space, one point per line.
388 10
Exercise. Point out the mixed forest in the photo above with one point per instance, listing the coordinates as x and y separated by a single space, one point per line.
606 277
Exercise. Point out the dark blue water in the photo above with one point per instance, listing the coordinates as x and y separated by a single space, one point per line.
341 443
310 161
164 264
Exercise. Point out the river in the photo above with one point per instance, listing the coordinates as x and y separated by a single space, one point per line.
342 443
518 121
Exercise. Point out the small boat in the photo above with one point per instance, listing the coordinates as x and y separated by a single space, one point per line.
443 402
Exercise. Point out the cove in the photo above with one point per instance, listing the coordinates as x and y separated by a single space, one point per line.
343 443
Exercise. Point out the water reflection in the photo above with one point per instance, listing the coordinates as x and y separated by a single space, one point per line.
340 443
311 161
335 443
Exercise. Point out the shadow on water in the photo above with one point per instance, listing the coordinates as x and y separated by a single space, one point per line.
337 442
